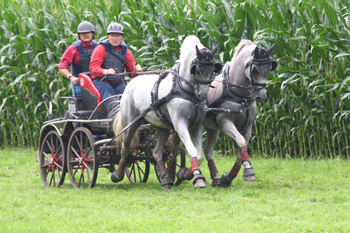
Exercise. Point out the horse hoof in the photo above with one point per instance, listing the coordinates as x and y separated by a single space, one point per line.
199 183
115 178
215 182
178 182
249 178
225 180
180 174
248 171
166 187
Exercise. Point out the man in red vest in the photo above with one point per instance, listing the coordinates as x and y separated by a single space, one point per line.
78 55
110 58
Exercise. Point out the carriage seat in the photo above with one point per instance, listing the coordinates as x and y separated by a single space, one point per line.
90 95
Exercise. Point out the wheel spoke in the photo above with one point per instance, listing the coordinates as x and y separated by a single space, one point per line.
81 139
76 170
88 176
76 153
48 144
82 163
140 168
46 155
87 167
51 179
45 165
77 140
59 166
82 175
47 173
132 170
57 150
54 178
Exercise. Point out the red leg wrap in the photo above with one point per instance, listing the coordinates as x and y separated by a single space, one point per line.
121 168
194 164
161 168
172 167
244 153
189 174
234 171
212 168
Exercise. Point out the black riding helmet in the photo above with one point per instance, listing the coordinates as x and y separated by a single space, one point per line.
86 27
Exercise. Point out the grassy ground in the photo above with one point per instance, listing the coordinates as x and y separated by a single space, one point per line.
288 196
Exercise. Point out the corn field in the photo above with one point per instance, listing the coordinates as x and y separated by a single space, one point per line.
307 110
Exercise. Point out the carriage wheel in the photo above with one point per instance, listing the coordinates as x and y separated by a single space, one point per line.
52 160
167 158
81 159
139 169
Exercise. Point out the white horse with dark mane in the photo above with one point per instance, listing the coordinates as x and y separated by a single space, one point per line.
169 101
233 101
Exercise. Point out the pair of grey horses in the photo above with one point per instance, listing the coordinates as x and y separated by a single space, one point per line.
180 100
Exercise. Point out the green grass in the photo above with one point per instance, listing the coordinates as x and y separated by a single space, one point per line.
288 196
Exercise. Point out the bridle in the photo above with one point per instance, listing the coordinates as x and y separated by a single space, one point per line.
263 66
196 66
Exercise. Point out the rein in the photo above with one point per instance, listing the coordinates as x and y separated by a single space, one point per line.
232 84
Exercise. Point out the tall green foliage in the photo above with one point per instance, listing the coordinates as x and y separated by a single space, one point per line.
307 110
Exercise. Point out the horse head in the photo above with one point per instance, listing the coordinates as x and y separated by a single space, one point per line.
257 68
203 69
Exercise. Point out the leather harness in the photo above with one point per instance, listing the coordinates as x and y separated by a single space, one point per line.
177 91
230 95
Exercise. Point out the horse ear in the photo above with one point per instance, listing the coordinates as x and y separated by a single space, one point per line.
215 49
274 65
256 52
269 51
199 54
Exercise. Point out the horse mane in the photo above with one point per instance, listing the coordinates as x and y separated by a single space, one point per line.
240 46
188 52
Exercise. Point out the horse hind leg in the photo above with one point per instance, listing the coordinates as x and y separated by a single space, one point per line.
162 137
175 142
212 136
118 175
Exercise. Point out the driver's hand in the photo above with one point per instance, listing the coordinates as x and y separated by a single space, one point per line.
138 68
108 72
75 80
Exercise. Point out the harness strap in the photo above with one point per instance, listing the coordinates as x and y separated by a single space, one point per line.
229 95
177 91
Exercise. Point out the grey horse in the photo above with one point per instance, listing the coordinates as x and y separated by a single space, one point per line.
235 92
172 101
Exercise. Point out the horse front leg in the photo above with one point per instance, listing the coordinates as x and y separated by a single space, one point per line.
228 127
162 137
248 173
212 137
194 150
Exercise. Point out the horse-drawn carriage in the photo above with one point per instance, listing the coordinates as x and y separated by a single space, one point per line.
81 142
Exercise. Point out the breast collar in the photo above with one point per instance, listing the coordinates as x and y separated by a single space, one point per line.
177 91
229 94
